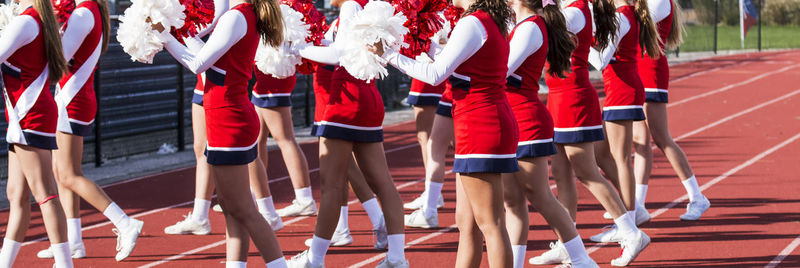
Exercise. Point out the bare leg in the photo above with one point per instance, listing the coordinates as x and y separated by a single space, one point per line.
606 162
70 176
657 121
424 116
279 123
470 238
516 206
565 182
533 179
358 181
204 187
37 172
484 192
19 212
643 160
259 182
620 140
372 160
438 145
582 158
334 156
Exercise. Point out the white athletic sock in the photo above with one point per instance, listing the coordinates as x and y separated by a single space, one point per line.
200 210
641 194
319 247
519 255
342 225
117 216
266 206
277 263
434 193
62 255
304 195
397 244
692 189
74 231
235 264
9 252
626 224
374 212
576 250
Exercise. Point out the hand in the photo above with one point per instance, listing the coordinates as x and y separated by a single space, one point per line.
158 26
376 48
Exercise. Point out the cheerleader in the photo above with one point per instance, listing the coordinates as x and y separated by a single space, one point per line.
32 57
351 126
655 77
625 93
85 37
232 124
197 222
486 133
540 35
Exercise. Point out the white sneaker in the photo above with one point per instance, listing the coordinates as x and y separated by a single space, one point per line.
381 236
217 208
339 239
610 234
418 219
695 209
607 216
78 252
189 226
302 261
274 221
642 216
556 255
589 264
631 247
386 264
298 209
126 239
420 201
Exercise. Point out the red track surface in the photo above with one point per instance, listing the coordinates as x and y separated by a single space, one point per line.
736 117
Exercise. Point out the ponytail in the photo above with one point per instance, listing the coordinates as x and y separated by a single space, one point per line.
270 22
54 53
560 42
675 37
649 40
498 9
606 23
104 18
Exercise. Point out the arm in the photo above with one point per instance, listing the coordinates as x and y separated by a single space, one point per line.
220 6
325 55
348 10
194 43
21 31
80 24
232 28
659 9
329 52
467 38
527 40
574 18
600 59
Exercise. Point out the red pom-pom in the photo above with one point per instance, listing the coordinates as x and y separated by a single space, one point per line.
423 22
317 27
199 13
63 9
453 14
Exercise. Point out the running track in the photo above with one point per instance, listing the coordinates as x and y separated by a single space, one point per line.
736 117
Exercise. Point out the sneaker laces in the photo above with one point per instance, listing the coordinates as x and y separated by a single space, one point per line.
119 238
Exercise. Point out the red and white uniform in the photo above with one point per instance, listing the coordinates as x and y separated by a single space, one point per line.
573 101
270 92
220 6
474 59
354 110
422 94
82 42
527 57
624 89
322 83
445 107
232 124
655 73
31 112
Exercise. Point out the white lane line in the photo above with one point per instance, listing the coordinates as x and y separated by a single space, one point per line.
784 253
728 87
410 244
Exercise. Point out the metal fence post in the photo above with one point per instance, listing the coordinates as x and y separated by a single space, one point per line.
716 23
98 137
181 124
760 6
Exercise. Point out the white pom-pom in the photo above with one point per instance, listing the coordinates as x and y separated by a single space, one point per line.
294 29
281 62
136 34
376 23
443 35
7 13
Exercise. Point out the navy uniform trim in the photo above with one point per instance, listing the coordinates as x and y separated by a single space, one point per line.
215 157
444 110
197 98
215 77
513 81
40 141
656 97
348 134
485 165
536 150
417 100
329 67
459 83
635 114
578 136
271 102
8 70
80 129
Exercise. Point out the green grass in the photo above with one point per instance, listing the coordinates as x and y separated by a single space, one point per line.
701 38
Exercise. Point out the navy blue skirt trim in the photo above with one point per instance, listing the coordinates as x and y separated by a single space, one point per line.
485 165
271 102
536 150
444 110
417 100
578 136
635 114
348 134
215 157
654 96
197 98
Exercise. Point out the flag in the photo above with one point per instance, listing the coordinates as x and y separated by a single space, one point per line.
748 16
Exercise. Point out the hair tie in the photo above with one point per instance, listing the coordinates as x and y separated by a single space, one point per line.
547 3
48 199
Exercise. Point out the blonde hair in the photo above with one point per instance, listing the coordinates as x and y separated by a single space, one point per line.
104 18
270 21
649 40
675 37
54 53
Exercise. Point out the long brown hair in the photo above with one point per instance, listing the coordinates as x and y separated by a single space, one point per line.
605 18
560 42
499 10
675 37
53 51
270 21
103 4
649 40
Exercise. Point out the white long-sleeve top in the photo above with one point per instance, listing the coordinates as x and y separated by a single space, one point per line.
22 30
527 40
220 6
331 50
80 24
231 28
659 9
467 37
601 59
